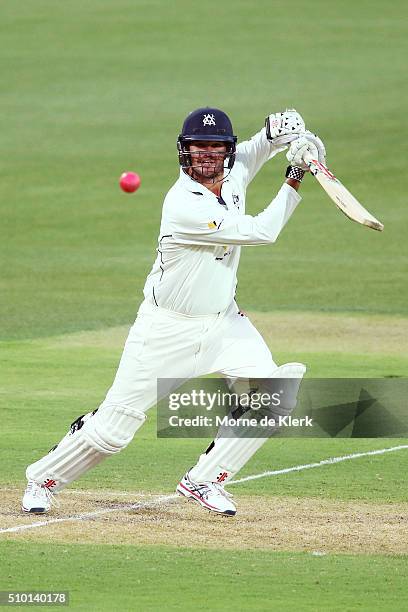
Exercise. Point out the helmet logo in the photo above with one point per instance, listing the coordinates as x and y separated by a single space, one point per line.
209 119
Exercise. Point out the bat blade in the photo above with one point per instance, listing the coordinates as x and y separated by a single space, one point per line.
341 196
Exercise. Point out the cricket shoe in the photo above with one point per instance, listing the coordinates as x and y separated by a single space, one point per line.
37 499
210 495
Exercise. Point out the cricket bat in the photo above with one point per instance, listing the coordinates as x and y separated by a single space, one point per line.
341 196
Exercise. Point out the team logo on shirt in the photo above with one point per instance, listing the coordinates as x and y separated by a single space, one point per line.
235 199
209 119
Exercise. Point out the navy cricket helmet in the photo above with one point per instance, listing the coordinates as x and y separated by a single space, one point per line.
210 124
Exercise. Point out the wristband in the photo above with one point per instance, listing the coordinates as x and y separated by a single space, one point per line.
293 172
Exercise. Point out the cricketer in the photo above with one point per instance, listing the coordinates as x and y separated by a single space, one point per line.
189 324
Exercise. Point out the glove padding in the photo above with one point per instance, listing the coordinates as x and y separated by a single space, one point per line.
321 149
282 128
307 145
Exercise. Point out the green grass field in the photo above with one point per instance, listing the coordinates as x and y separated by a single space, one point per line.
93 89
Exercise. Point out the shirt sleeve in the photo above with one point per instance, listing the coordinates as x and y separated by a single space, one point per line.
254 153
201 224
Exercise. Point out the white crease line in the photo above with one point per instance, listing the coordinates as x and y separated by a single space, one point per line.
308 466
87 515
100 493
166 498
106 493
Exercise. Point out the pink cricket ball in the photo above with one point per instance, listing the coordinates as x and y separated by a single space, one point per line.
129 182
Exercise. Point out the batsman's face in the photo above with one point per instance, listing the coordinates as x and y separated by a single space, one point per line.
207 160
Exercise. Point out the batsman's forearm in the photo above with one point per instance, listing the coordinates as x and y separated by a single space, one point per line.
254 153
246 230
265 227
273 219
293 183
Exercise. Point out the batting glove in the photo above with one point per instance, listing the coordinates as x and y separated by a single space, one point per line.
321 149
304 148
282 128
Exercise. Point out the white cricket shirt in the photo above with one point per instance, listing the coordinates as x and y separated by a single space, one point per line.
195 272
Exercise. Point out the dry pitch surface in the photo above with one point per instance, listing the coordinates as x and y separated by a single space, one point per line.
285 524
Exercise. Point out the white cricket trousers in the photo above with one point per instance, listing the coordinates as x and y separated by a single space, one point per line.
166 344
163 344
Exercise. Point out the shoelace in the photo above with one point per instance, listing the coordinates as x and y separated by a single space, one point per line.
223 492
38 491
205 489
51 498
